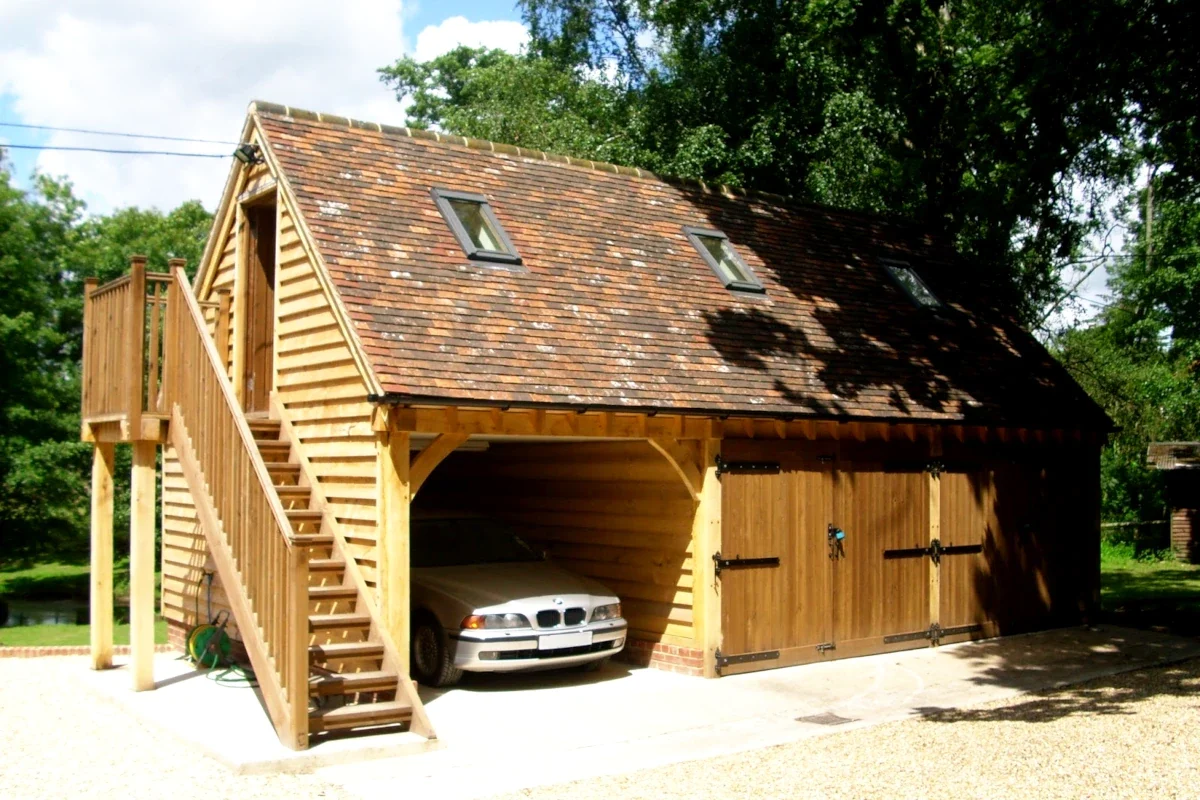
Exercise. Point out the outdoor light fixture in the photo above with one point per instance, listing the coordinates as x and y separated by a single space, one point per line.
249 154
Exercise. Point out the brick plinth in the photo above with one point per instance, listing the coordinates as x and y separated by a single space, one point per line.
669 657
72 650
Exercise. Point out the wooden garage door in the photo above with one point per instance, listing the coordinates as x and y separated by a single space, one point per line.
775 616
880 508
967 593
824 599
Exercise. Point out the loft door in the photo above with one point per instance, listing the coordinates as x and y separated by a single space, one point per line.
260 307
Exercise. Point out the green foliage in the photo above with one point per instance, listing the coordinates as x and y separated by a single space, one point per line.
1002 125
47 247
50 580
1142 360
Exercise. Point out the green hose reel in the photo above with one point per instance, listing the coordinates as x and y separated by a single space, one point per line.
208 645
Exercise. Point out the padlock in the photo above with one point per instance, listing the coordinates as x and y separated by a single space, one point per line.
839 534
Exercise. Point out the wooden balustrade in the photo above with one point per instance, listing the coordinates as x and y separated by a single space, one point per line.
248 531
123 347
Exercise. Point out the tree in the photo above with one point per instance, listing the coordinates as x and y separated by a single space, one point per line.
1142 360
1002 125
47 247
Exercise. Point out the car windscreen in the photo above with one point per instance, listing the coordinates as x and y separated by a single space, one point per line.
457 542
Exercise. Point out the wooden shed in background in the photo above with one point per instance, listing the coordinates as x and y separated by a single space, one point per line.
1181 461
780 433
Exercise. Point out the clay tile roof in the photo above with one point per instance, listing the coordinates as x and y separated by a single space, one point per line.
616 309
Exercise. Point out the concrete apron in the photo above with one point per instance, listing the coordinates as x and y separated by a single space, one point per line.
502 733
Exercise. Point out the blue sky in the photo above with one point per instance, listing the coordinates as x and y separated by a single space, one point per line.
122 65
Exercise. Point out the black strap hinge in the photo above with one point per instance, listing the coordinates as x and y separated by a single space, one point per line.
723 660
722 563
764 467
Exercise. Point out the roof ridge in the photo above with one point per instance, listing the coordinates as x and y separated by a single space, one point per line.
513 150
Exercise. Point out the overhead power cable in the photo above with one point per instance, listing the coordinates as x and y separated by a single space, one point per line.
116 152
113 133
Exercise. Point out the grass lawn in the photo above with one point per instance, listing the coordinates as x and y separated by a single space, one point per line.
1126 581
64 635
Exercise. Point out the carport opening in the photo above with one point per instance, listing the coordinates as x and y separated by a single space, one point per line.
612 510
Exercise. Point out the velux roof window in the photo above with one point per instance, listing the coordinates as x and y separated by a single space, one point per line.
722 259
476 227
908 280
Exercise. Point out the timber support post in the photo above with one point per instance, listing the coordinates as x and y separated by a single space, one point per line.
141 565
706 541
395 497
934 477
101 600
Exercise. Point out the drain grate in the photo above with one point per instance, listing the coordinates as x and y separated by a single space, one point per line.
824 719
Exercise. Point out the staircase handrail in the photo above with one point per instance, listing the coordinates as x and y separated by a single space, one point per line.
263 564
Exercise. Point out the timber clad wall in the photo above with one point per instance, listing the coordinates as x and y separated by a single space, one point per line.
614 511
185 553
323 394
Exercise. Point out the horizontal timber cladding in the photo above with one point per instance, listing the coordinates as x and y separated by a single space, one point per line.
614 511
186 596
323 395
853 525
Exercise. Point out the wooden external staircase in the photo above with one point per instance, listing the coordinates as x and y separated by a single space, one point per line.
309 622
355 679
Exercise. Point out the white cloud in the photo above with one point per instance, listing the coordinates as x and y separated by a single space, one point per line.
185 69
435 40
190 69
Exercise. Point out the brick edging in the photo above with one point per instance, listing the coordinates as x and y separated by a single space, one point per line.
668 657
73 650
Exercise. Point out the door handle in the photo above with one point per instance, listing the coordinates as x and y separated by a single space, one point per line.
835 536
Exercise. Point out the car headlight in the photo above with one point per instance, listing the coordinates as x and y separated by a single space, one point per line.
610 611
480 621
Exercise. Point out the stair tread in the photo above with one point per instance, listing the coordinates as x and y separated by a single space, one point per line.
343 649
364 710
348 620
351 682
332 591
326 563
359 715
282 466
297 513
291 488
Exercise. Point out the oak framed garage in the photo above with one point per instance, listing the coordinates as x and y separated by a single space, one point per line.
779 432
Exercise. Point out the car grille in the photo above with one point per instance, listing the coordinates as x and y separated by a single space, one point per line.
549 618
595 647
574 616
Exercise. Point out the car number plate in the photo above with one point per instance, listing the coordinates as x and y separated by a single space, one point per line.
559 641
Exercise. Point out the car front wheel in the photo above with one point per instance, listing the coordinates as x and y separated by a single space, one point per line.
431 661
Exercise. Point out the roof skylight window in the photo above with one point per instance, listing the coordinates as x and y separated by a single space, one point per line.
908 280
475 226
723 260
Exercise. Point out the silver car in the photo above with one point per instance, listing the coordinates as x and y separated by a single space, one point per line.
485 601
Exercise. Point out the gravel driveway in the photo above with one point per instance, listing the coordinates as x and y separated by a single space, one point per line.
59 740
1135 735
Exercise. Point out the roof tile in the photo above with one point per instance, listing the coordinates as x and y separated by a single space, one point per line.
616 308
